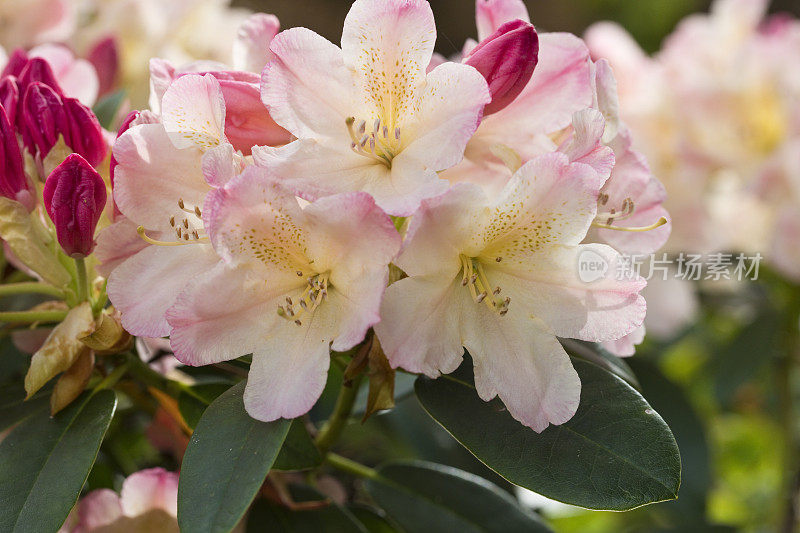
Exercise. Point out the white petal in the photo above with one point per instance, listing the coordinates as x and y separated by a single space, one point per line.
193 112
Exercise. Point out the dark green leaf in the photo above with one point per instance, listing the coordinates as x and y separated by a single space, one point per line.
423 497
616 453
298 451
373 520
192 403
594 353
672 404
14 407
44 463
226 462
328 517
106 109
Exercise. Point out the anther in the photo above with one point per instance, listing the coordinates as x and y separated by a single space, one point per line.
186 223
197 211
172 221
498 259
289 301
298 322
180 203
473 278
481 297
397 133
496 291
299 274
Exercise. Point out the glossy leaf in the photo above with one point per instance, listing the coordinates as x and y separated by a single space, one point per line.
423 497
327 516
373 520
298 451
45 461
226 462
616 453
595 353
192 403
106 109
14 407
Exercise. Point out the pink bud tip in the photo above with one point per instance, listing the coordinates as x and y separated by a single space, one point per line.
39 70
85 134
44 119
9 97
105 58
74 196
506 59
13 182
17 62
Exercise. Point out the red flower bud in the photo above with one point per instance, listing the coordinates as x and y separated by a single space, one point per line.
105 58
85 134
44 118
506 59
9 97
14 183
74 196
39 70
17 62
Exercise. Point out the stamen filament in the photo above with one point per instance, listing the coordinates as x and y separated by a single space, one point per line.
149 240
661 221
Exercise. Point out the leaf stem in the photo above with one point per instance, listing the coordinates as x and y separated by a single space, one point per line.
31 317
110 380
83 279
351 467
27 287
334 426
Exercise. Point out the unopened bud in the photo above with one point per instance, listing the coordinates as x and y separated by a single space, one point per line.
39 70
9 97
44 118
85 135
104 56
74 196
16 63
14 183
506 59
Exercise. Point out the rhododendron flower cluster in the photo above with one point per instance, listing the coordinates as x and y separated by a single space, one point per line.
267 216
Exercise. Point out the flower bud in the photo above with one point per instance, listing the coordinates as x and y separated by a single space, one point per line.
74 196
44 119
85 134
13 182
9 97
104 56
39 70
16 62
506 59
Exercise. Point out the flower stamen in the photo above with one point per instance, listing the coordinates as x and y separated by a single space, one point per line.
474 277
312 297
375 144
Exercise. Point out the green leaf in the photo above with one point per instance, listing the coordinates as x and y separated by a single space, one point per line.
106 109
298 451
14 407
616 453
327 517
423 497
44 463
192 403
226 462
595 353
373 520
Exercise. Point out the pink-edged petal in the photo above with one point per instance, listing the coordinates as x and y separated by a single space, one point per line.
549 200
152 175
154 488
420 330
388 44
607 99
162 74
193 112
290 368
220 165
115 244
247 121
560 86
99 508
451 106
441 229
147 284
307 88
491 14
519 359
586 145
77 77
223 314
626 346
354 239
598 305
251 47
313 170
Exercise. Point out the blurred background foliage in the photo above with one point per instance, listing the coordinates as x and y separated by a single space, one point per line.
722 385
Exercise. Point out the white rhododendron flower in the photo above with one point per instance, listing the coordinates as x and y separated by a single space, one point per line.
500 278
367 116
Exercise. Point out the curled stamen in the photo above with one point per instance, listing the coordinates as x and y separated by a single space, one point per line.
149 240
661 221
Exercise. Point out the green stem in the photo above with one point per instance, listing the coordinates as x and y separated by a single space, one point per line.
102 298
32 316
83 279
28 287
351 467
110 380
334 426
